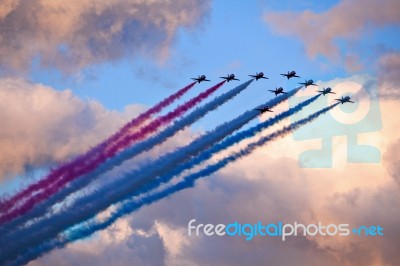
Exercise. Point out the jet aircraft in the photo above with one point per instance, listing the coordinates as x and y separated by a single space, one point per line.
278 91
229 77
326 91
345 99
258 76
290 74
264 109
200 78
307 83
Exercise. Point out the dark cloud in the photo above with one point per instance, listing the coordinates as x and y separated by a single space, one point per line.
281 191
71 35
389 78
255 188
392 161
135 250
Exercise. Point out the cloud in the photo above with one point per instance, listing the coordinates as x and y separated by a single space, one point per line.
41 125
348 20
389 67
6 7
131 247
392 159
71 35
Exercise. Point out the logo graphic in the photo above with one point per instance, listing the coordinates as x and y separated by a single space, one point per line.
348 120
279 229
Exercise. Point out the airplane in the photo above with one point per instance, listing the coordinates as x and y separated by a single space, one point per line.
200 78
258 76
229 77
264 109
290 74
278 91
308 83
344 100
326 91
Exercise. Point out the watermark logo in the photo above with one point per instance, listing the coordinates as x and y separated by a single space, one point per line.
279 229
348 120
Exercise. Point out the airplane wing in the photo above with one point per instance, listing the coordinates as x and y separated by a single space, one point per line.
194 79
296 76
284 92
207 80
271 90
284 75
264 78
350 101
252 76
236 79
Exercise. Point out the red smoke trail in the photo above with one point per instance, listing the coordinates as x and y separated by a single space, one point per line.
86 166
6 204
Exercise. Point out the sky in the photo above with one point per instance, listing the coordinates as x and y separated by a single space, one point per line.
72 73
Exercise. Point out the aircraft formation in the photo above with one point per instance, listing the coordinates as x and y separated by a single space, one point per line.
279 90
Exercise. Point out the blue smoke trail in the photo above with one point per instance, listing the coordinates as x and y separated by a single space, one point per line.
226 143
88 206
90 227
133 151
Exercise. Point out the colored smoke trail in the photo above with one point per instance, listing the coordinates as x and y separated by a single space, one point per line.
72 173
226 143
89 205
138 148
92 226
6 204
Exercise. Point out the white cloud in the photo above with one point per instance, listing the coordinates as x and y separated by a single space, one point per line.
347 20
41 125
